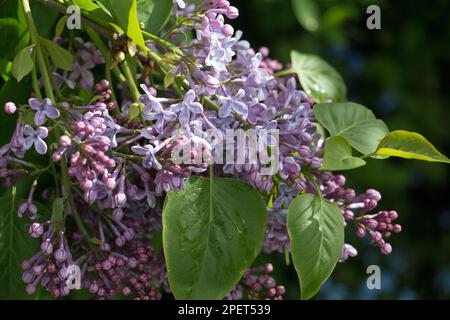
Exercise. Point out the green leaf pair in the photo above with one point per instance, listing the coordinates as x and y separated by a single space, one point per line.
353 125
23 63
214 228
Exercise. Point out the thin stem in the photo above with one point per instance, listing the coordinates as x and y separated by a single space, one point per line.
160 41
311 179
284 72
36 89
40 56
127 156
130 81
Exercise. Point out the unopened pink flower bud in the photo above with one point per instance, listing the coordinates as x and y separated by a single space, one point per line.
10 108
65 141
232 13
227 30
386 249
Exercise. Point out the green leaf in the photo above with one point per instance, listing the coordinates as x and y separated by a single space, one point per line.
316 230
61 57
409 145
154 14
307 13
23 63
212 233
14 31
59 29
16 245
318 78
58 214
338 155
95 11
125 14
354 122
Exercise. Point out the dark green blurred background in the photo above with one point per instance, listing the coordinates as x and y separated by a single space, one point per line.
401 72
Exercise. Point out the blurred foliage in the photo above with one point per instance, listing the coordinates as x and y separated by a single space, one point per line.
402 73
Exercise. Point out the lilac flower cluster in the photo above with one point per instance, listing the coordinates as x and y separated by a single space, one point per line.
257 284
120 169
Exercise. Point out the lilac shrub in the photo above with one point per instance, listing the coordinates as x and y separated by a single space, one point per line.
111 156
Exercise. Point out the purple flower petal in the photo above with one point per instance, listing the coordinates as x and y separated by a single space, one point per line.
184 116
40 146
240 108
42 132
196 108
225 110
28 130
52 112
28 142
169 116
35 104
189 97
139 150
39 118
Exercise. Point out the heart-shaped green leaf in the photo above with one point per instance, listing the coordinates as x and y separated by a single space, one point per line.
338 155
316 230
318 78
212 232
354 122
409 145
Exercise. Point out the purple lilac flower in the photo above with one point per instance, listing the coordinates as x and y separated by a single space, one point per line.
233 104
35 137
148 151
153 110
188 106
44 109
